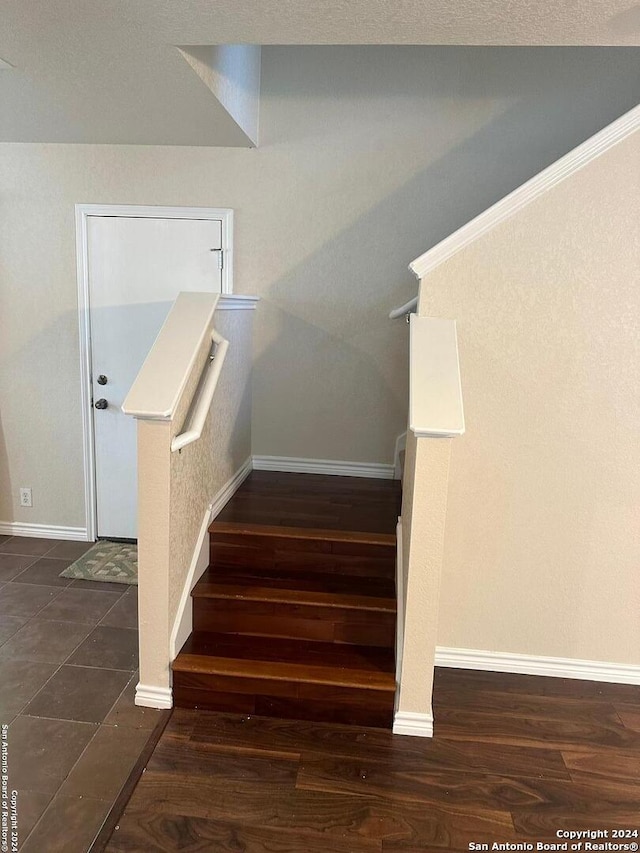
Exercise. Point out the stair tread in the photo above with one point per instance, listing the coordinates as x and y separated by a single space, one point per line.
311 588
274 658
241 528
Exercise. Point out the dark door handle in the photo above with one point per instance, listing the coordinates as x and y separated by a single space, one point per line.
101 403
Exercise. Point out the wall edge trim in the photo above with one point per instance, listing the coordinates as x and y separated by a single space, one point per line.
589 670
523 195
413 724
149 696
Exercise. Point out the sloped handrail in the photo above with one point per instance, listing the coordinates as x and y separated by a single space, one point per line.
199 416
407 308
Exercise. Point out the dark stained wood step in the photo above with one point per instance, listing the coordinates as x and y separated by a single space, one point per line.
327 608
284 678
254 549
328 535
313 500
298 622
362 667
314 589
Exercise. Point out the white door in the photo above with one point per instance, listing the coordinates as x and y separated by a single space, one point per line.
137 267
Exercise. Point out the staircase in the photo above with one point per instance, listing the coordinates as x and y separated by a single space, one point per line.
295 616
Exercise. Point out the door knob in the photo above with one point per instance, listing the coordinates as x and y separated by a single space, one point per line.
101 403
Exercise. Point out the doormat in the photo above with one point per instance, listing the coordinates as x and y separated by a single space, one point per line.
113 562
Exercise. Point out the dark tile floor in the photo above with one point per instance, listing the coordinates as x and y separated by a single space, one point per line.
68 660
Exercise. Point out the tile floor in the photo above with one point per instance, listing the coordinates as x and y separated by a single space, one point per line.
68 660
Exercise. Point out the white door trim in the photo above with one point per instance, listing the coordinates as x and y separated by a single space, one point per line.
83 212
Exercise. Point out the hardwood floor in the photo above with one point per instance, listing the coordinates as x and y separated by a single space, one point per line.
515 759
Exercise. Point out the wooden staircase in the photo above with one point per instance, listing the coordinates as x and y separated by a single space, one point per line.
295 616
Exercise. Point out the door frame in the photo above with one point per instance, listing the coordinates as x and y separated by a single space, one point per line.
82 214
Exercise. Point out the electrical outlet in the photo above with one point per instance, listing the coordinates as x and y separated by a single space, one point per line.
25 497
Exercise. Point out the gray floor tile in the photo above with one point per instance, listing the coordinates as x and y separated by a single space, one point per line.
70 550
19 682
78 693
30 808
13 564
42 752
112 648
124 614
80 605
28 545
114 751
69 825
40 640
8 627
45 571
126 713
20 599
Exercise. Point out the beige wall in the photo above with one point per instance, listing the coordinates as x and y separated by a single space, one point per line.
367 157
543 539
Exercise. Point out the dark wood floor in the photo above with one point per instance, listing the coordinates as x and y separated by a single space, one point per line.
515 758
314 501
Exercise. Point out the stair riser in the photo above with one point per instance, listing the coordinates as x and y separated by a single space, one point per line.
287 700
271 553
274 619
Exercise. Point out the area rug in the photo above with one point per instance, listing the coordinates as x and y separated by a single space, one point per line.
113 562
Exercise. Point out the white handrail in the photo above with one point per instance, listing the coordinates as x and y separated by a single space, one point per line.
409 306
206 394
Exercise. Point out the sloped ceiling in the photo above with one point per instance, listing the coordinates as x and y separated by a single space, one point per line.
111 71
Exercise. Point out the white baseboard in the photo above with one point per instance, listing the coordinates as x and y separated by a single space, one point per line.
183 623
43 531
588 670
299 465
229 489
416 725
148 696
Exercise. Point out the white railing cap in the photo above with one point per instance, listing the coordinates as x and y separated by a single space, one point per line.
435 389
159 385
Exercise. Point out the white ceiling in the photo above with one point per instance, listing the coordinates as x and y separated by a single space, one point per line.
110 71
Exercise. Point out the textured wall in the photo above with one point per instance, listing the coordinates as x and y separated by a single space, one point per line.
202 468
368 156
543 537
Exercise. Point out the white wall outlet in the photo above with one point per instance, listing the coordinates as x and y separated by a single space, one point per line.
25 497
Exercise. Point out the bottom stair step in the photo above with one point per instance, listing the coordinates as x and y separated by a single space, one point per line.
284 678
